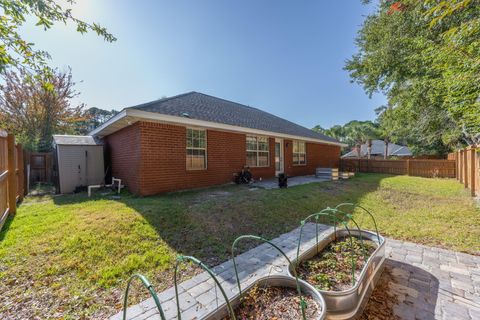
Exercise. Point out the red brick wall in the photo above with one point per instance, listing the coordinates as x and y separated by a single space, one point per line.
163 166
124 150
151 158
318 155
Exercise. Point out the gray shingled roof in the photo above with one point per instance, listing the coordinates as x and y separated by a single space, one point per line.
75 140
200 106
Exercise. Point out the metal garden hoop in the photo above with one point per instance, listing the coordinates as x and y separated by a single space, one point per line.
147 285
317 215
302 301
349 217
181 259
354 205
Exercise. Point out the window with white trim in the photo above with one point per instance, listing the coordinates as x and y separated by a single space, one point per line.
196 149
299 153
257 151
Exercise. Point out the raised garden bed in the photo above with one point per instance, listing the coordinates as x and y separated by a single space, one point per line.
331 268
328 267
275 297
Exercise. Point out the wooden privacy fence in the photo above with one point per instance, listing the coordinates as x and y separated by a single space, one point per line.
413 167
12 184
468 168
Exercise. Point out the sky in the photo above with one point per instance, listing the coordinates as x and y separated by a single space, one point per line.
284 57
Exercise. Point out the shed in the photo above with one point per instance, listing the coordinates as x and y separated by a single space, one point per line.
79 162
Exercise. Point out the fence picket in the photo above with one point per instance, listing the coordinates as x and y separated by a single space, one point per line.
468 164
413 167
12 187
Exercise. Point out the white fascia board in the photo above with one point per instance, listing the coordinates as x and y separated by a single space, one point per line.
97 131
219 126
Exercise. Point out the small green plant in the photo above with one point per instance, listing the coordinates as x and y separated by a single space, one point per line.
323 281
331 269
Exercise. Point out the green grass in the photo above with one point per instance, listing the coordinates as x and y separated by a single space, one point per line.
70 256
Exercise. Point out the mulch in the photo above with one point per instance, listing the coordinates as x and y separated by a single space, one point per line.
275 303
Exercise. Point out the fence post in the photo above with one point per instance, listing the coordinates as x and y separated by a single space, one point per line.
457 165
408 167
465 167
459 172
21 172
12 177
472 171
460 166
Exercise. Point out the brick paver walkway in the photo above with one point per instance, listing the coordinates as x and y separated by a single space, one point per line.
431 283
423 282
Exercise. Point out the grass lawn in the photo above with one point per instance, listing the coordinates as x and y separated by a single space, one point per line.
70 256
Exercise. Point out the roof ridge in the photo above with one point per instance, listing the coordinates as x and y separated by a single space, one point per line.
240 104
160 100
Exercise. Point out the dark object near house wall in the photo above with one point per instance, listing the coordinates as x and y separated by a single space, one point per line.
282 180
244 176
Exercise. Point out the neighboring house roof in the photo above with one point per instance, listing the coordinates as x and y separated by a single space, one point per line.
59 139
378 148
195 108
402 151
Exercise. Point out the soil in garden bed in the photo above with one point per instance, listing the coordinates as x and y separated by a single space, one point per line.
331 268
275 303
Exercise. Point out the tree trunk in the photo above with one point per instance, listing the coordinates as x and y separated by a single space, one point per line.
369 148
385 154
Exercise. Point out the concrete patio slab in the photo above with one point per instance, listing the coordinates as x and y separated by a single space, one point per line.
272 183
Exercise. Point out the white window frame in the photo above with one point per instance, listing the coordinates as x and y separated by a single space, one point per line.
195 148
297 142
257 150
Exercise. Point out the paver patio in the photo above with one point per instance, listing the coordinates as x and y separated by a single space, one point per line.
422 282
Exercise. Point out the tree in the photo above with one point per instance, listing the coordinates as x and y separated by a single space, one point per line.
93 117
352 133
424 55
33 112
20 53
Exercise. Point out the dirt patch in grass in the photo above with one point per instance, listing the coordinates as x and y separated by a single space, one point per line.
331 269
210 194
402 200
275 303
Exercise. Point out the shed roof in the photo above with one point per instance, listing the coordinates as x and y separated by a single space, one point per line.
59 139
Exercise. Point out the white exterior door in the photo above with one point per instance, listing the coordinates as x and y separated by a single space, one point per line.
279 165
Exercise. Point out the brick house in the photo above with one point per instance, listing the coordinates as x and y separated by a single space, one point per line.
196 140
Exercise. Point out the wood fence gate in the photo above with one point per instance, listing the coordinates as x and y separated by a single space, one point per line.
12 177
41 167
